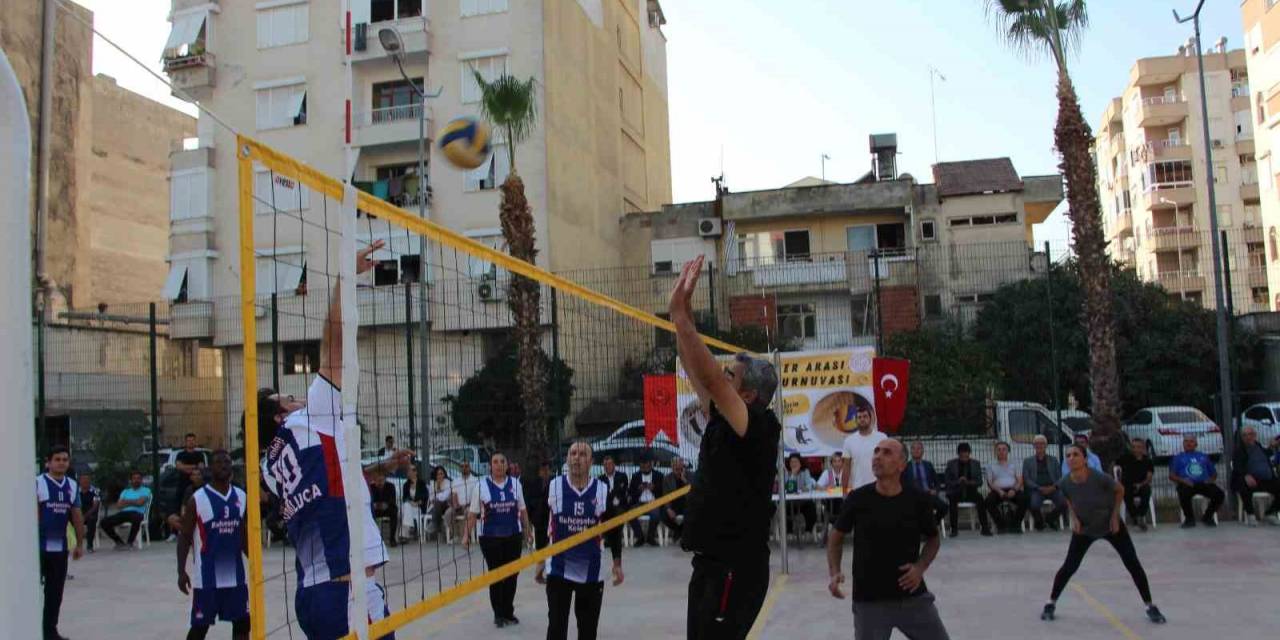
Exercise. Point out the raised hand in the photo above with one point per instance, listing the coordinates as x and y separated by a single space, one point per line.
682 292
363 261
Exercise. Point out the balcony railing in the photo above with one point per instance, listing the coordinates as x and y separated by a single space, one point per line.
387 115
201 59
1153 100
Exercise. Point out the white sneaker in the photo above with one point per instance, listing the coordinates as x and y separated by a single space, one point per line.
1251 521
172 538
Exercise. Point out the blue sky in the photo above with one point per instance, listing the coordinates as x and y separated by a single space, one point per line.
777 83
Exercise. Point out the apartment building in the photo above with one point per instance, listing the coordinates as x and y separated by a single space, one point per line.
1261 33
808 263
107 147
312 80
1152 163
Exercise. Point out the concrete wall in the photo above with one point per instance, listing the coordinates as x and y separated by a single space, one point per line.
1262 32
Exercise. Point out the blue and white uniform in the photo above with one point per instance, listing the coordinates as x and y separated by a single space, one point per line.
305 463
220 589
498 507
573 512
56 500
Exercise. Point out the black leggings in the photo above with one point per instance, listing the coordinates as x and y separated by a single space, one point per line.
239 630
1123 545
497 552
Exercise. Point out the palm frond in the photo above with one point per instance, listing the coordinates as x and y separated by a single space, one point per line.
510 104
1034 28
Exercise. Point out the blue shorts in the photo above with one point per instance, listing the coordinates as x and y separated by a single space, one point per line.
227 604
322 609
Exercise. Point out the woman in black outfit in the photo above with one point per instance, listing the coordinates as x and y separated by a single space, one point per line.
413 502
1095 500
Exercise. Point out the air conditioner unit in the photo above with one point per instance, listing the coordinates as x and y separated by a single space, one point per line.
488 289
1217 144
710 227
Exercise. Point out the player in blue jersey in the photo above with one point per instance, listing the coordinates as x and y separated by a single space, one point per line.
213 521
304 463
578 502
58 501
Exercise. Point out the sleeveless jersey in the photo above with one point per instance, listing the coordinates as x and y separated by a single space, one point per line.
56 500
573 512
220 522
500 508
304 468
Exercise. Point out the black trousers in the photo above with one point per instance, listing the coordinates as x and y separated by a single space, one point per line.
725 598
1264 486
993 503
586 599
671 523
90 528
1206 489
539 522
1123 545
651 533
1137 500
132 518
239 630
53 568
497 552
966 494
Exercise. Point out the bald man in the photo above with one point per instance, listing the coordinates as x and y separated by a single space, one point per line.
889 521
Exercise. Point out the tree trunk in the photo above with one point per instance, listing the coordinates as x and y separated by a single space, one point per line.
1074 141
523 298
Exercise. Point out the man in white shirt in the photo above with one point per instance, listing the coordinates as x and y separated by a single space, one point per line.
465 490
859 447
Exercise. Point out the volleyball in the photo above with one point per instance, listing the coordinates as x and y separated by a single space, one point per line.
465 142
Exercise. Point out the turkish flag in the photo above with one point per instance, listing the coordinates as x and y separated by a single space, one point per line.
890 376
660 407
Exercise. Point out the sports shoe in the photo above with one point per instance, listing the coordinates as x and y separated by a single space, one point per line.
1209 521
1049 610
987 532
513 620
1189 524
499 622
1154 615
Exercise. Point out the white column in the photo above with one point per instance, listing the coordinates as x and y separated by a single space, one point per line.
19 582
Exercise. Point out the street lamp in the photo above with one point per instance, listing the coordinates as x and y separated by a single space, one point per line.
1220 294
393 44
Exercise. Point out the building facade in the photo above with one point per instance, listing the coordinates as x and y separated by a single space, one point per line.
312 80
1152 164
108 146
1261 33
810 263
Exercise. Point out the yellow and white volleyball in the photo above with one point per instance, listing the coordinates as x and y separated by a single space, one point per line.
465 142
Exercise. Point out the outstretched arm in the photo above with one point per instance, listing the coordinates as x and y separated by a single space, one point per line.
696 357
331 338
184 543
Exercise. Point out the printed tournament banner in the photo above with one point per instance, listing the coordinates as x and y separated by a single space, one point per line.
821 394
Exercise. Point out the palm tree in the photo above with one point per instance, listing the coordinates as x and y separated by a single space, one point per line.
1033 28
510 104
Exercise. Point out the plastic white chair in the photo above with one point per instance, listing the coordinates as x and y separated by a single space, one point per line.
972 507
1261 500
1124 506
1064 524
1198 504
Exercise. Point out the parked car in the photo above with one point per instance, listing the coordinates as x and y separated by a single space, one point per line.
1264 417
1164 427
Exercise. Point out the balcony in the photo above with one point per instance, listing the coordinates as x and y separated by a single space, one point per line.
1166 238
1251 233
1244 143
388 125
189 320
366 47
192 74
1249 192
1257 277
1161 111
832 270
181 158
1169 149
1162 195
1123 227
1188 280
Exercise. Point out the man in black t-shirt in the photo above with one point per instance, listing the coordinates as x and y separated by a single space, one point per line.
729 508
888 522
1136 472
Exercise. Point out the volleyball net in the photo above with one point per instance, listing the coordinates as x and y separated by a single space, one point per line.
446 345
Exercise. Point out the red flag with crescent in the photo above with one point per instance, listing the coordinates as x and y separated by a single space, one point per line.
660 407
890 376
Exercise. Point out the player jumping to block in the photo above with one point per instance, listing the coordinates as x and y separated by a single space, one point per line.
214 523
306 463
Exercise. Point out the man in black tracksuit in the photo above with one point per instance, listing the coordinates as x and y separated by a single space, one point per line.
729 507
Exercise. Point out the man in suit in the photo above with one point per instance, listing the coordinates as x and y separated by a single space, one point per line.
646 486
1251 473
1040 476
921 475
964 477
673 514
536 491
616 481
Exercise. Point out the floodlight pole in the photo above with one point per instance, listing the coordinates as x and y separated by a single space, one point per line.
1220 294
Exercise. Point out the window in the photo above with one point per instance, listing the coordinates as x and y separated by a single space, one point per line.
492 238
861 239
928 230
282 273
1260 295
1170 174
933 306
175 286
794 245
301 357
386 272
274 193
974 298
283 24
395 94
1142 417
410 268
983 221
481 7
1224 215
380 10
189 35
1022 426
891 236
492 173
282 106
188 194
1260 108
489 68
1258 413
797 321
861 315
1220 175
1194 297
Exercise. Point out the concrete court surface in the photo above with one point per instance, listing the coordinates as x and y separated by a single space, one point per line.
1211 583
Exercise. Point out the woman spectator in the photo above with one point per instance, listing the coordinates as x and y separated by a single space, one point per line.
504 524
441 490
413 502
799 480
